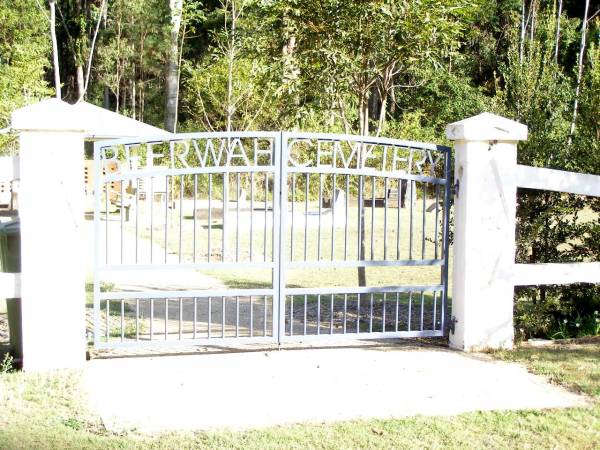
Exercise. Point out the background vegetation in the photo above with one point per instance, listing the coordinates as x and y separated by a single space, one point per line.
398 68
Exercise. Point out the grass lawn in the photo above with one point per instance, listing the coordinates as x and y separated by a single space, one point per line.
45 411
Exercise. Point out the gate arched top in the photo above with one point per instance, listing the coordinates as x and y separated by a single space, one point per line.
291 151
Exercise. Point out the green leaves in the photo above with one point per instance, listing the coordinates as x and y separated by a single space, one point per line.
24 57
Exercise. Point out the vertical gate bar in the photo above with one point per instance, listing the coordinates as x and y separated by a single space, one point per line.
397 312
305 312
409 310
424 235
237 218
333 219
107 222
445 242
180 317
166 318
166 217
357 313
347 215
122 320
413 185
385 216
372 218
195 314
345 312
434 309
137 319
97 207
151 319
224 228
360 213
331 315
292 224
222 316
180 217
265 316
237 316
137 217
422 307
318 313
437 219
151 217
320 214
371 314
280 201
306 216
398 218
383 315
209 318
291 315
194 214
251 213
209 215
107 320
251 318
266 205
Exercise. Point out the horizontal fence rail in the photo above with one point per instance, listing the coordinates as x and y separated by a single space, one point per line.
558 181
257 210
556 273
565 182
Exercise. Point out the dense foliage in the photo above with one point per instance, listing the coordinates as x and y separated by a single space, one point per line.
401 68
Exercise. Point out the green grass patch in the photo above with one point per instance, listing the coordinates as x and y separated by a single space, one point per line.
47 411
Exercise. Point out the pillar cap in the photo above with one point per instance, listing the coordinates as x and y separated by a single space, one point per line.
48 115
486 127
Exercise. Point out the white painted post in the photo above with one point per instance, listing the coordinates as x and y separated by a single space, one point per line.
51 213
484 236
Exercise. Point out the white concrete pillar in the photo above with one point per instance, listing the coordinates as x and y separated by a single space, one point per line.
51 214
484 230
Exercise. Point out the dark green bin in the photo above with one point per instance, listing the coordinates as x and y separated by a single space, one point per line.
10 261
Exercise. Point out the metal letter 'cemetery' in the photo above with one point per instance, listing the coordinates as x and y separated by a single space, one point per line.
209 238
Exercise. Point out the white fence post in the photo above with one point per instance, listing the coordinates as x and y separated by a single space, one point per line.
484 236
51 213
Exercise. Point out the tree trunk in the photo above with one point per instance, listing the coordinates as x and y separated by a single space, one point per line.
172 78
363 114
80 81
86 82
579 70
106 98
522 36
557 37
54 48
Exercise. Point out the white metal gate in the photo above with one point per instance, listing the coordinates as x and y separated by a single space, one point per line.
286 223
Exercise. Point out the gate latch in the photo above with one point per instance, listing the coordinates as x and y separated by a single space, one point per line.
452 324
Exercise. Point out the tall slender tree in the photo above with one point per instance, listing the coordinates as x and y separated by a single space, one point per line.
172 77
580 64
54 48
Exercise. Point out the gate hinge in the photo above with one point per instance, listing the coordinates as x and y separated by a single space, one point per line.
456 188
452 323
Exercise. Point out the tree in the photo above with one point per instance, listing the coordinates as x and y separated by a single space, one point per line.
172 77
24 58
579 68
54 48
354 49
132 53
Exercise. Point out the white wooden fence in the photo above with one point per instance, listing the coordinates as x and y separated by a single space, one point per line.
487 177
566 182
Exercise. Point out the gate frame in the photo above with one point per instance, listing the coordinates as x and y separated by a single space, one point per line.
280 169
54 121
